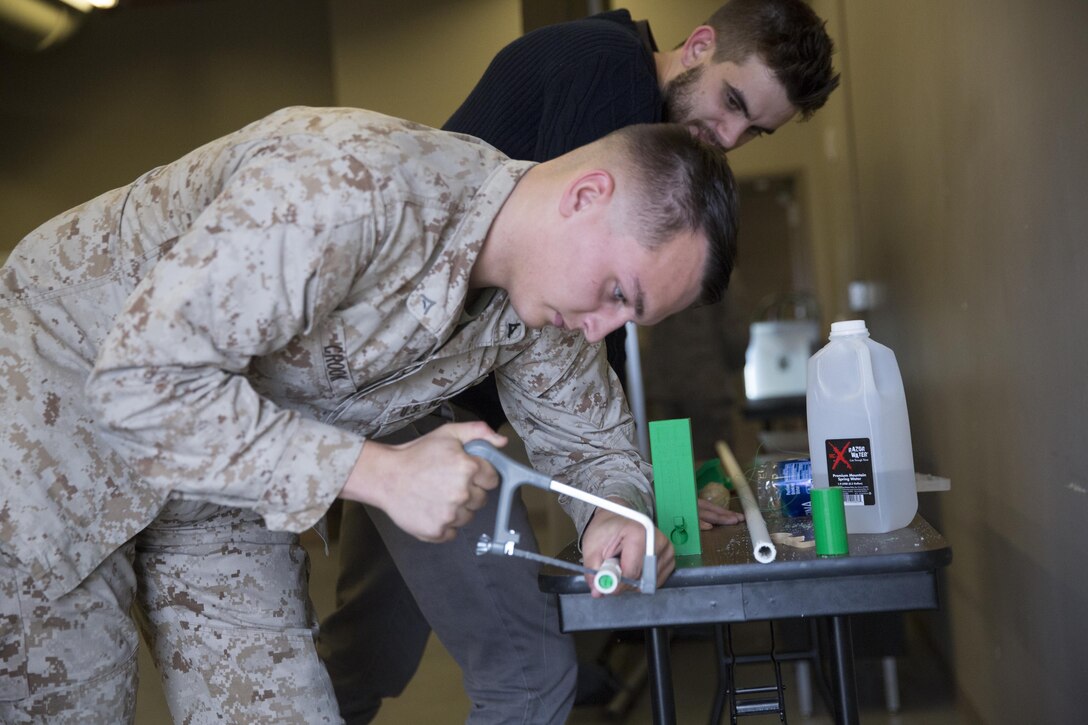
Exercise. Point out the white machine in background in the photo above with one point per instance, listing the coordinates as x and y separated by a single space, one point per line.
779 346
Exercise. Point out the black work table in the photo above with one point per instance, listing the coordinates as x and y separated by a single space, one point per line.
889 572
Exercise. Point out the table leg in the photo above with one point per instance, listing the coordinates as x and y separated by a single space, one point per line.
661 694
842 669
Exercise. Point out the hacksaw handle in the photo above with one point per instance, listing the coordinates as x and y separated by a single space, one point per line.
513 475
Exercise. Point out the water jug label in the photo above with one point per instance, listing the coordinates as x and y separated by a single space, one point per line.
850 467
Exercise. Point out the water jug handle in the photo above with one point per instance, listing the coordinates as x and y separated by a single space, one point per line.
865 362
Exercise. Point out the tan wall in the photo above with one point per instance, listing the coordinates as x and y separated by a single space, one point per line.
137 88
951 170
416 61
140 87
970 121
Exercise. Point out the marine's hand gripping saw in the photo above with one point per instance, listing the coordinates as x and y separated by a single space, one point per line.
505 541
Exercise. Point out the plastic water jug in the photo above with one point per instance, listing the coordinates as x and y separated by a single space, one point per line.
858 430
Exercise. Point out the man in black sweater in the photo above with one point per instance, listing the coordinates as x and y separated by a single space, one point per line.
752 67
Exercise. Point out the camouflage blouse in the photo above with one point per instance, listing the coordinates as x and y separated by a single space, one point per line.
234 325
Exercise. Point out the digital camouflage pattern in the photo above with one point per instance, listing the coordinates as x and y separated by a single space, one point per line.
230 650
71 661
232 326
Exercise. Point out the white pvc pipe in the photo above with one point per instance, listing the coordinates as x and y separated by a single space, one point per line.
762 547
648 581
607 579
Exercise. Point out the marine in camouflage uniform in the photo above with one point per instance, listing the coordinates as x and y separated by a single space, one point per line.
193 364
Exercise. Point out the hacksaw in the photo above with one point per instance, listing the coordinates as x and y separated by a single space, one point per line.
505 540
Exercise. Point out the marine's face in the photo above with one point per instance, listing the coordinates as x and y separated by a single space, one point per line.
728 103
606 278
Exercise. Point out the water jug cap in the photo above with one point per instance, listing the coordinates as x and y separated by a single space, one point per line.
848 327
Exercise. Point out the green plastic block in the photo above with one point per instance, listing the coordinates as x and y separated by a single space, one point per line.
674 483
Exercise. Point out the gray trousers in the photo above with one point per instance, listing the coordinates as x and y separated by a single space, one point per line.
223 602
487 611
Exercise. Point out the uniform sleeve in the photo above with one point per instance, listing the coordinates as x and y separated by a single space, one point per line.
275 250
568 406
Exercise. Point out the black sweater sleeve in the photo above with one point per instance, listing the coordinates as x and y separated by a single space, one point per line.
562 86
585 102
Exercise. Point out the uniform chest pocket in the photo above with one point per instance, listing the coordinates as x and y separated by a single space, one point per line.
397 418
410 392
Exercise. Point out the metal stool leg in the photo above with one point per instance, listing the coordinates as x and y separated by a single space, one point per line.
891 683
803 673
661 694
725 672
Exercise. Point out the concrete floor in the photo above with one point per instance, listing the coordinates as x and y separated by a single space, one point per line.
926 697
435 695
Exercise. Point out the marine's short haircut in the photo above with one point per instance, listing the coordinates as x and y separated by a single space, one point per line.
681 184
789 37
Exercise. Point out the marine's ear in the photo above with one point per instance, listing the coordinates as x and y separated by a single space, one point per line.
588 188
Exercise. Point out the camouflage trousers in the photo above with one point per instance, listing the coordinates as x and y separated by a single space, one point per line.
223 603
488 612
